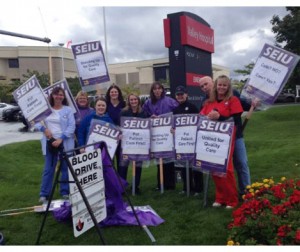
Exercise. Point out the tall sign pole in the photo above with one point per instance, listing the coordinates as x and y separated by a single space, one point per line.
191 42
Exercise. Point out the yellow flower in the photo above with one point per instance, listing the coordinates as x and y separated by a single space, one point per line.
283 179
237 243
248 186
266 185
251 190
266 180
230 243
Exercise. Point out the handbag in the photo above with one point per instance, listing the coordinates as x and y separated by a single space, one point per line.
51 148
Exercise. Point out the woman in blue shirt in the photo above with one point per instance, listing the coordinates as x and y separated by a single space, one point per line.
84 127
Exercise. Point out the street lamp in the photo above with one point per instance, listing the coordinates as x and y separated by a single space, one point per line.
62 59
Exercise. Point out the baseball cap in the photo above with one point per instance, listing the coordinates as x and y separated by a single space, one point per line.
180 90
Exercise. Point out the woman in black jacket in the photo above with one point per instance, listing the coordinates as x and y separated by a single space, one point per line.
133 109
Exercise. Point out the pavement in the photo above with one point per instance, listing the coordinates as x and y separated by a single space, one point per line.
9 133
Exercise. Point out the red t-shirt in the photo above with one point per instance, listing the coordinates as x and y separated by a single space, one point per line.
225 108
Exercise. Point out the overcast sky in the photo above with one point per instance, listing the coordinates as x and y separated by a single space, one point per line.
136 33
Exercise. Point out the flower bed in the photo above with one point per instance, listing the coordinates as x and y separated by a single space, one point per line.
269 215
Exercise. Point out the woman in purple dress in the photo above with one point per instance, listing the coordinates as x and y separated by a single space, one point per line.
159 104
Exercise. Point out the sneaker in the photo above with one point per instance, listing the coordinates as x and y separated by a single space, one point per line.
216 204
229 207
43 199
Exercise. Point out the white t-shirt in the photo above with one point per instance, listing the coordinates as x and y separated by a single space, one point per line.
53 123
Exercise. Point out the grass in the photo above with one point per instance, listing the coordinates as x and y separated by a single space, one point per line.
272 138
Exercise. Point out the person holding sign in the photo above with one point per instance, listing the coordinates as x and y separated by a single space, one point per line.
99 114
240 160
133 109
58 135
82 102
159 104
185 107
222 105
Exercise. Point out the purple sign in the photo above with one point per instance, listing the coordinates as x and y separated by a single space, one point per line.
32 101
269 75
90 64
71 102
135 142
106 132
162 142
213 145
185 136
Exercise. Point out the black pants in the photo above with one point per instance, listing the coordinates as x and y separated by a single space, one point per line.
196 180
169 176
123 169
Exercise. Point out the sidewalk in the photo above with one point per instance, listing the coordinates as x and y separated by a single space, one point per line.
9 133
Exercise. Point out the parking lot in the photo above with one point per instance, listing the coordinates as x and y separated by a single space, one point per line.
9 133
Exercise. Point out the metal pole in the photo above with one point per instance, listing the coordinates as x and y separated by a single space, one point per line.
62 60
46 40
105 40
187 172
50 67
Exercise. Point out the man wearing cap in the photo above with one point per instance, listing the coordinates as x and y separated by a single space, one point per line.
185 107
240 160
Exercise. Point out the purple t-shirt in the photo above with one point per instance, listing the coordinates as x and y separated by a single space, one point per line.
162 106
115 111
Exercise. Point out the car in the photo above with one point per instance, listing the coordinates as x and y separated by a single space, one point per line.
3 107
11 114
285 97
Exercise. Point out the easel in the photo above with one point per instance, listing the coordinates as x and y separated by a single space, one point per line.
56 181
102 146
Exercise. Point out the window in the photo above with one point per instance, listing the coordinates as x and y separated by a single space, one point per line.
13 63
161 72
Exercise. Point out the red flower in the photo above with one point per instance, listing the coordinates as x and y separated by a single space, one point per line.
279 210
295 197
283 230
297 237
269 216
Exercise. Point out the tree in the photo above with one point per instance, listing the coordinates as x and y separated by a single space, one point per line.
43 78
74 85
130 88
246 71
287 36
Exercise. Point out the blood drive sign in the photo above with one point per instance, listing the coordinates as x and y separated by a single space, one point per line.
89 170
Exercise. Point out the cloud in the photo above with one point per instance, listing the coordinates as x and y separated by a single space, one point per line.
136 33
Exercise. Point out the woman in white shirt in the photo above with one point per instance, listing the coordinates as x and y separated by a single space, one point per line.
58 134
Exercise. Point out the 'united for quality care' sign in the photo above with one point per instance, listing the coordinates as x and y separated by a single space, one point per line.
89 171
213 145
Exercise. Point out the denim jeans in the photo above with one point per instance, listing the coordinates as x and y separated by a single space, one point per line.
49 172
240 163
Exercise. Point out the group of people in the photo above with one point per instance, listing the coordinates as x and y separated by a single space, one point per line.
61 129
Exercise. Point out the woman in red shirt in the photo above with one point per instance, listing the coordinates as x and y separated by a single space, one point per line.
220 106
